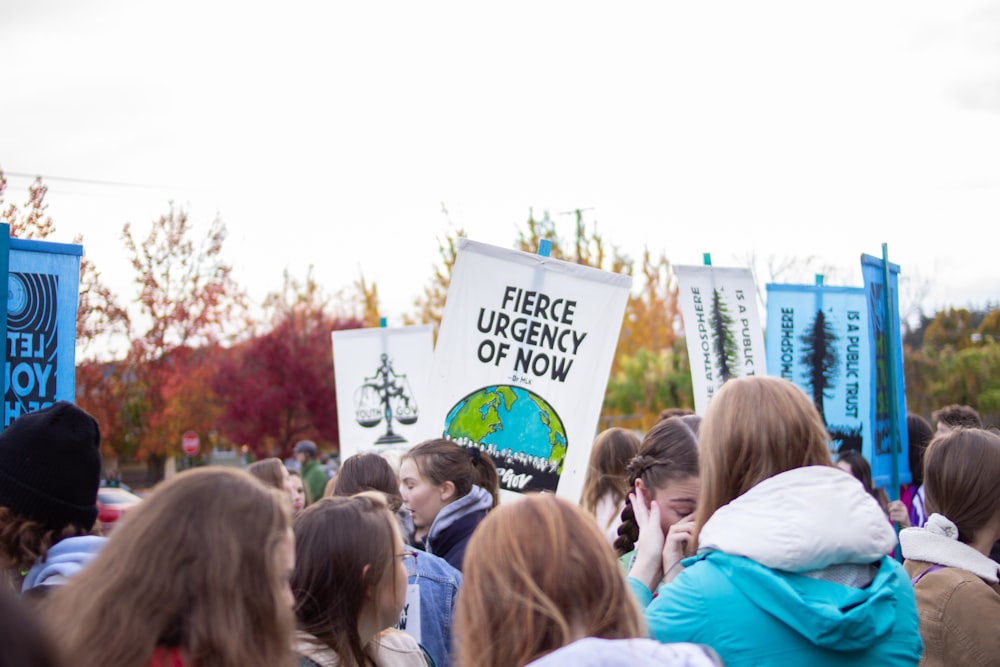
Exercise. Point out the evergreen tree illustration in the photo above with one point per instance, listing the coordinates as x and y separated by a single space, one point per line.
724 345
819 355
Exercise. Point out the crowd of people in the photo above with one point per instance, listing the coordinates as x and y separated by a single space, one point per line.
729 539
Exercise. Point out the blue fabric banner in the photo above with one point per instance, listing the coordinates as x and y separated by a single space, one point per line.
40 348
886 338
817 337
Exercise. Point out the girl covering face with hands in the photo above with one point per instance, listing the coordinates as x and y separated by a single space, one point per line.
659 515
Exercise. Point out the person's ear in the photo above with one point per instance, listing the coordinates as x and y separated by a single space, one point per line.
447 491
370 588
647 492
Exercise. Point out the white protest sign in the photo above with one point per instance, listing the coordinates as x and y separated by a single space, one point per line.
381 377
522 361
722 327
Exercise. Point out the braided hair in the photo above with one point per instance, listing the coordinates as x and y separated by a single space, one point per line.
668 452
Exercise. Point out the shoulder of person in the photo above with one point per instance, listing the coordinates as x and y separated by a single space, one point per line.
394 648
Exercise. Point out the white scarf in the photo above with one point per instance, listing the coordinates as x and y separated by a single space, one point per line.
937 542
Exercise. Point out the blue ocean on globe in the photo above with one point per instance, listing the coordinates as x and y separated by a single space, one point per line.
512 422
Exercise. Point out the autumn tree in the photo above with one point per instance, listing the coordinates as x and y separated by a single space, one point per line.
278 387
430 304
367 295
187 299
646 382
950 327
99 313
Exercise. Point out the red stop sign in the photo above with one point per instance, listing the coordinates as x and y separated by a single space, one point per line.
190 443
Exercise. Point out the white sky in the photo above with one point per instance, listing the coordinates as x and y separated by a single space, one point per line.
330 133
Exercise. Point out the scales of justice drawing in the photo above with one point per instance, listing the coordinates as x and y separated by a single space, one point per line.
386 395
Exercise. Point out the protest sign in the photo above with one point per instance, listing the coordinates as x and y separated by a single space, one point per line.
722 327
381 378
890 463
522 361
39 329
817 337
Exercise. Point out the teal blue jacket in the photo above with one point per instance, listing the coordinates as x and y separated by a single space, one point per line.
752 615
793 573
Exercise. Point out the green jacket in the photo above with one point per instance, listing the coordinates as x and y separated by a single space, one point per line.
315 478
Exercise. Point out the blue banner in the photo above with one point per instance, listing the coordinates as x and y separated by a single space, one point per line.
40 348
888 400
817 337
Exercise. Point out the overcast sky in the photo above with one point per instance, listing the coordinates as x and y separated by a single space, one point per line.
330 133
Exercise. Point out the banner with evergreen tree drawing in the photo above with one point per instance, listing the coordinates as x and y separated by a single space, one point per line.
817 337
381 377
522 361
886 347
722 327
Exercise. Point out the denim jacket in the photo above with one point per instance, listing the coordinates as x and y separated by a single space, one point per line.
439 583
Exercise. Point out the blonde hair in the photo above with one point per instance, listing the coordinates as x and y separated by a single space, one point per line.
755 428
542 567
612 450
269 472
195 566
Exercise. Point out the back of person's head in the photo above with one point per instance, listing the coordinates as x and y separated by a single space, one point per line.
610 454
368 472
307 448
270 471
539 565
667 413
345 555
23 641
668 452
50 470
200 565
439 461
957 416
961 469
918 433
859 468
755 428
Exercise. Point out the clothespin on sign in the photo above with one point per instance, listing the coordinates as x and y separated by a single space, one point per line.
545 248
707 258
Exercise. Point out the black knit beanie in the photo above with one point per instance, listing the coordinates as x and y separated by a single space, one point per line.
50 466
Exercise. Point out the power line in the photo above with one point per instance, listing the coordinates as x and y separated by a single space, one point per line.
88 181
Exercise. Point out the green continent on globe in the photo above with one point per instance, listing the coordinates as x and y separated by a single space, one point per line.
557 437
476 417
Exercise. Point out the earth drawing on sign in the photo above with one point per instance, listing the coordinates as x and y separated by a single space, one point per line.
518 429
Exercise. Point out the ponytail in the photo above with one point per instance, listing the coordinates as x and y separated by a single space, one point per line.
486 472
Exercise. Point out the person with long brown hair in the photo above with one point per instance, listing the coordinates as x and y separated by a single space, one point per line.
664 479
196 576
542 585
448 490
350 584
956 583
436 581
790 565
605 486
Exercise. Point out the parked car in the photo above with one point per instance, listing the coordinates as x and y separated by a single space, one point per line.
112 504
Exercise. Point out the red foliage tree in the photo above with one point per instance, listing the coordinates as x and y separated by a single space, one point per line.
278 387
